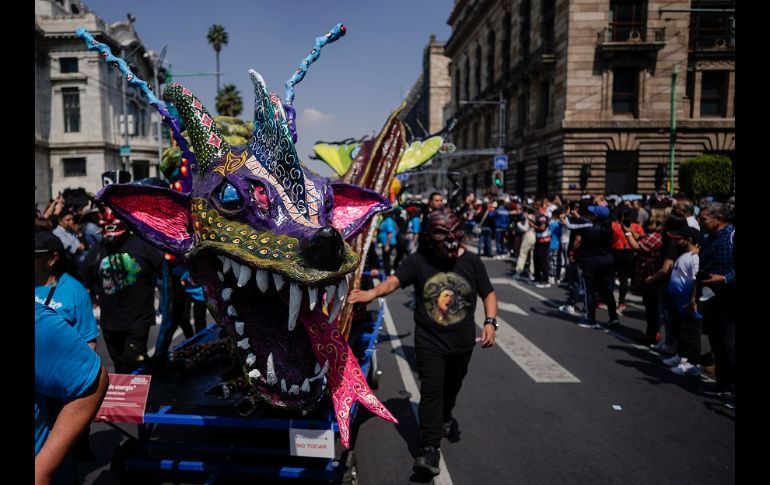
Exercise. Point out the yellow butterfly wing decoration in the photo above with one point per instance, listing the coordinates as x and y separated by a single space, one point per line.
418 153
338 156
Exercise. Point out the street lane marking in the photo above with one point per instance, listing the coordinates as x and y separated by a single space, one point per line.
508 281
177 333
409 383
536 363
510 307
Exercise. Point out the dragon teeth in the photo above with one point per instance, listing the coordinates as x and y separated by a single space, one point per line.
334 310
239 328
221 276
244 343
227 293
271 378
254 373
295 300
283 385
250 359
342 290
236 267
329 295
320 372
226 264
231 311
317 368
312 296
305 386
262 280
278 280
294 389
244 275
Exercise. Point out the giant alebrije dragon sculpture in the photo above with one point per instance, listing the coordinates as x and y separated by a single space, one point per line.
265 238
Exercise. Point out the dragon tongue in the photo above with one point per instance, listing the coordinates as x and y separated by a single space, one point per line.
347 382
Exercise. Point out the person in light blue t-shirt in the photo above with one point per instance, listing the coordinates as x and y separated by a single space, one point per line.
388 240
554 250
56 288
70 384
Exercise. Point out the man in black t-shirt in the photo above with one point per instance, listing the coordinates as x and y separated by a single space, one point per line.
120 271
592 251
448 281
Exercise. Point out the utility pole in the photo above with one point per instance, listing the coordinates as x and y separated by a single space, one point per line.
672 137
155 66
125 113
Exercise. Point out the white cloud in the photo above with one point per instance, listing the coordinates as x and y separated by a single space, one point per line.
312 116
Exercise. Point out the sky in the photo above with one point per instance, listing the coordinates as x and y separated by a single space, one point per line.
347 93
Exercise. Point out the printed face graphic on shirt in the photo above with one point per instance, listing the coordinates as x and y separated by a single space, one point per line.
447 298
118 271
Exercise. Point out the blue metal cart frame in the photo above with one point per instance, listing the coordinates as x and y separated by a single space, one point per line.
133 454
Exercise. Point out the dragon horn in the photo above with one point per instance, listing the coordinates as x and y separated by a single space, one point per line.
207 140
141 85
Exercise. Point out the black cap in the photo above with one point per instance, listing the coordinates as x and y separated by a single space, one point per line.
47 242
686 232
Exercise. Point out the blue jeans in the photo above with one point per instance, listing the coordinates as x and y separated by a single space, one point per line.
485 241
500 240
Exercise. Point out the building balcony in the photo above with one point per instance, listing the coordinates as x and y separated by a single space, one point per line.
713 44
630 39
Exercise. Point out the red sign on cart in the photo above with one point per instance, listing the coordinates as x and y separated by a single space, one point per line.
126 399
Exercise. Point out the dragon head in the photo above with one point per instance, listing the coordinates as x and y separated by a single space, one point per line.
266 239
263 236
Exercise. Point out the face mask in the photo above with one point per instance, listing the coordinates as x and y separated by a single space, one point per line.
445 232
113 229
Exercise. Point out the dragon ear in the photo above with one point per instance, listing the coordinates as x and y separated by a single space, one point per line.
353 207
159 215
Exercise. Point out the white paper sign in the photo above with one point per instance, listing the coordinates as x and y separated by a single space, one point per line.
311 442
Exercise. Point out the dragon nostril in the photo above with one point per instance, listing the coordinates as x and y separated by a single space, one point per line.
325 249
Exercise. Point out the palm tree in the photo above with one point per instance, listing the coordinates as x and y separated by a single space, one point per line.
217 37
228 101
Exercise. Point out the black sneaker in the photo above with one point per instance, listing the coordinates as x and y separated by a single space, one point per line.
452 431
427 462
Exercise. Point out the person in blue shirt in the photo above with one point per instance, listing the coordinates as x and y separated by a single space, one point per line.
414 230
56 288
502 220
387 238
554 250
70 384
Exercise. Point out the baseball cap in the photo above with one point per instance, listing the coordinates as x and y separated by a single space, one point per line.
686 232
47 242
599 211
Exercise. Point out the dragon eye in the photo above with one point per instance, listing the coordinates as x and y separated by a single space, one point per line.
230 197
260 196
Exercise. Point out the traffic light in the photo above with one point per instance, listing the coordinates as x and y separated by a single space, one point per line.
497 178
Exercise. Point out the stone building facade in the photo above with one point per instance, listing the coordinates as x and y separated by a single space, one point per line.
78 102
424 112
587 88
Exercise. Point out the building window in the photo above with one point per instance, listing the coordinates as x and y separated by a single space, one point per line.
624 89
141 169
75 10
545 104
506 47
621 173
524 24
457 85
521 104
547 32
475 182
478 70
490 58
71 98
488 130
68 64
521 178
74 167
542 176
627 19
467 79
712 30
713 93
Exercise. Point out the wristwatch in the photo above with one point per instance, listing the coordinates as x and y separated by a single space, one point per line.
491 321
